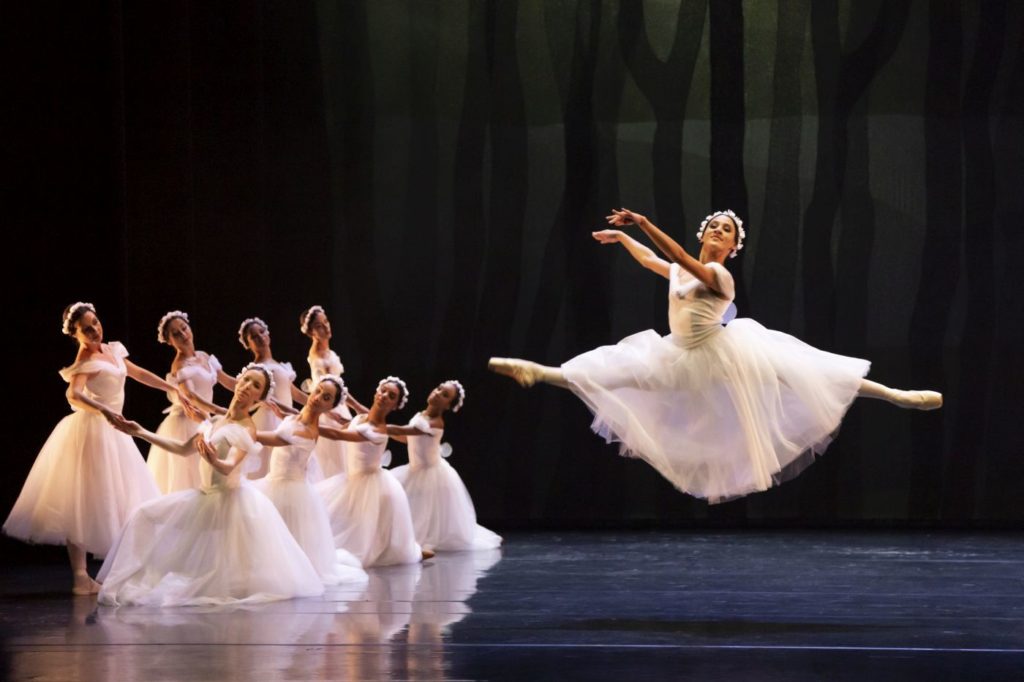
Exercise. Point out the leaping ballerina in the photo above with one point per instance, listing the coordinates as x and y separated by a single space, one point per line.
721 411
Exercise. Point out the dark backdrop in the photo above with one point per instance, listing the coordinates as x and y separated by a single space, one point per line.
429 172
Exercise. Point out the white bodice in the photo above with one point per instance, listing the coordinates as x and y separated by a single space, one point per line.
424 451
106 381
694 310
224 436
200 377
288 463
365 457
284 376
330 364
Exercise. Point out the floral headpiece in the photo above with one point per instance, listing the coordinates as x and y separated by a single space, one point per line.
741 233
404 398
245 323
263 368
75 307
336 380
161 336
307 316
462 394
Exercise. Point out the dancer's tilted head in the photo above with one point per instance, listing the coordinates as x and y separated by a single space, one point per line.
392 394
313 323
175 330
449 395
254 334
73 315
253 385
81 323
328 393
722 230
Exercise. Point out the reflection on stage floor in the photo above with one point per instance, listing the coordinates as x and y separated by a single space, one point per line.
761 605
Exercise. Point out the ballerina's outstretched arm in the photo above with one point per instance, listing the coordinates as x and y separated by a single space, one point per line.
666 245
342 434
356 405
178 447
400 433
198 400
642 254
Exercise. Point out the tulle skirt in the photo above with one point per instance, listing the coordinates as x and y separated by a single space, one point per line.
174 472
328 454
84 484
442 511
304 513
370 518
226 546
741 411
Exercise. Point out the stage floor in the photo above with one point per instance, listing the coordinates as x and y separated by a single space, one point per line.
751 605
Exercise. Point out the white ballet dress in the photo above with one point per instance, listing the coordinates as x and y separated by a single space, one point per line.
720 411
367 506
302 508
175 472
223 543
329 454
88 477
265 418
442 511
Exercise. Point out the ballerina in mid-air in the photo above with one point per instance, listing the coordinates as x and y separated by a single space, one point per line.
720 410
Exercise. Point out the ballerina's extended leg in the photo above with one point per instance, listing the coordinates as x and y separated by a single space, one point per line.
527 373
917 400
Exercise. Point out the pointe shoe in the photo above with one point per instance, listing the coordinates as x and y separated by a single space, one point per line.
524 372
917 400
428 554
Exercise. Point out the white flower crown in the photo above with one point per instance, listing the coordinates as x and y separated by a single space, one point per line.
245 323
462 394
741 233
337 381
161 336
405 389
313 310
263 368
75 307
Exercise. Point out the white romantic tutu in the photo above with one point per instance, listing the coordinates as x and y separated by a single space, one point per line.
222 544
85 482
719 411
367 507
221 547
329 455
733 415
442 511
88 477
174 472
304 513
369 517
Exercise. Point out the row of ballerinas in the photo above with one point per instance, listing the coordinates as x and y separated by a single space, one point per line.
216 537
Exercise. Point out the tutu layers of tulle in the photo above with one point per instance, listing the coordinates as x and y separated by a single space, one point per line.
306 517
174 472
442 510
83 486
743 409
369 516
226 546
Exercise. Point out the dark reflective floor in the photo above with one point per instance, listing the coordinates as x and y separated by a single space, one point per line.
762 605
